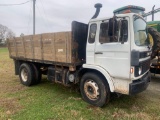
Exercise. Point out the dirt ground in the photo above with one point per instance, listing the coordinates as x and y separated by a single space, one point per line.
155 84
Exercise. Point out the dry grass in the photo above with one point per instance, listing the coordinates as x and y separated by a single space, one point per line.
48 101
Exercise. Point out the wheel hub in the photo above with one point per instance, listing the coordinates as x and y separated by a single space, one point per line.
91 89
24 74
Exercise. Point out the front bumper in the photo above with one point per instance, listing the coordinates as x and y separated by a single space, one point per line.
140 85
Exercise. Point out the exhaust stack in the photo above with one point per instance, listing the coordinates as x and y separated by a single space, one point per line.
98 7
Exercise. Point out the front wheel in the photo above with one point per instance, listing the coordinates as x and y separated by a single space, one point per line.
94 89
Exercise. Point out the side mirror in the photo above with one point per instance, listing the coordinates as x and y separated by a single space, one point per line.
125 36
124 31
112 26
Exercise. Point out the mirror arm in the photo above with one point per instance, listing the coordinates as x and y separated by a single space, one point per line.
113 28
122 41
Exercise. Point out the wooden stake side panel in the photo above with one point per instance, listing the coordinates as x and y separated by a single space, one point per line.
57 47
61 47
20 47
48 47
11 47
69 47
28 46
37 42
54 47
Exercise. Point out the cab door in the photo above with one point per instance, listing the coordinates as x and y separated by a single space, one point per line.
113 52
90 50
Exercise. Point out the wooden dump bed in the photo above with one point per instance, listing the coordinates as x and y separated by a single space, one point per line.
60 47
44 47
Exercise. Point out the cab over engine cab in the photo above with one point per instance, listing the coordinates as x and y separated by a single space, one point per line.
117 51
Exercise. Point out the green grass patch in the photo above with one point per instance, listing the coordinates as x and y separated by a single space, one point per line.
49 101
3 49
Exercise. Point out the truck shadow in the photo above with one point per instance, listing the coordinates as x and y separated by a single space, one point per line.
123 102
59 88
155 78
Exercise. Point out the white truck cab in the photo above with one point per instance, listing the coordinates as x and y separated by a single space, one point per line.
120 51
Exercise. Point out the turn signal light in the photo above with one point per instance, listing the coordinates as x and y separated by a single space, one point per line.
132 71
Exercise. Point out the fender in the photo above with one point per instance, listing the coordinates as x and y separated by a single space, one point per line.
104 72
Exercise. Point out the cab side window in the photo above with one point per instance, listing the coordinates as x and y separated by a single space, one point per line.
106 36
103 36
92 33
113 33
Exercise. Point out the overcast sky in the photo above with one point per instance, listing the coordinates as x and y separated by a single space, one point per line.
57 15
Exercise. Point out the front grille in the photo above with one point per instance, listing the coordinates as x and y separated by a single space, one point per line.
144 54
145 66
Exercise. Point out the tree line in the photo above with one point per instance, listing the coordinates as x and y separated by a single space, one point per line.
5 33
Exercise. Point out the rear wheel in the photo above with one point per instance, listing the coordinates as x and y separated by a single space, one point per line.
37 76
94 89
26 74
154 38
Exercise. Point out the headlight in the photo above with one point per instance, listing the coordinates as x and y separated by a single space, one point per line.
140 70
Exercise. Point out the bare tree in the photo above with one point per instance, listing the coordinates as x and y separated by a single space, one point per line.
10 34
5 33
3 30
21 35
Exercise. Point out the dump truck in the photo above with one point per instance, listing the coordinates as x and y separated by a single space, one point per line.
104 56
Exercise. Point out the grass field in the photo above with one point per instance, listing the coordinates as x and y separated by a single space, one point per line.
48 101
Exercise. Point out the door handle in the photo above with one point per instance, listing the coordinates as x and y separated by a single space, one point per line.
98 52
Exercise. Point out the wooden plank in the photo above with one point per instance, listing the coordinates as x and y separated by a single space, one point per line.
37 47
15 46
41 46
60 46
66 46
69 48
23 47
11 47
47 42
53 47
32 47
19 45
28 46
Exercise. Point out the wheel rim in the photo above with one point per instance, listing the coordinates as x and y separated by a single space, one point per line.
151 40
91 90
24 74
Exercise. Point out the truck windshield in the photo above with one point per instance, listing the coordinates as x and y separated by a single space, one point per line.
140 31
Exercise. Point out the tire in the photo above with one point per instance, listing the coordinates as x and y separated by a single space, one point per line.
156 41
94 89
26 74
37 76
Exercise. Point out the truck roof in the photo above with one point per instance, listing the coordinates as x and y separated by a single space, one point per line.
119 15
128 7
